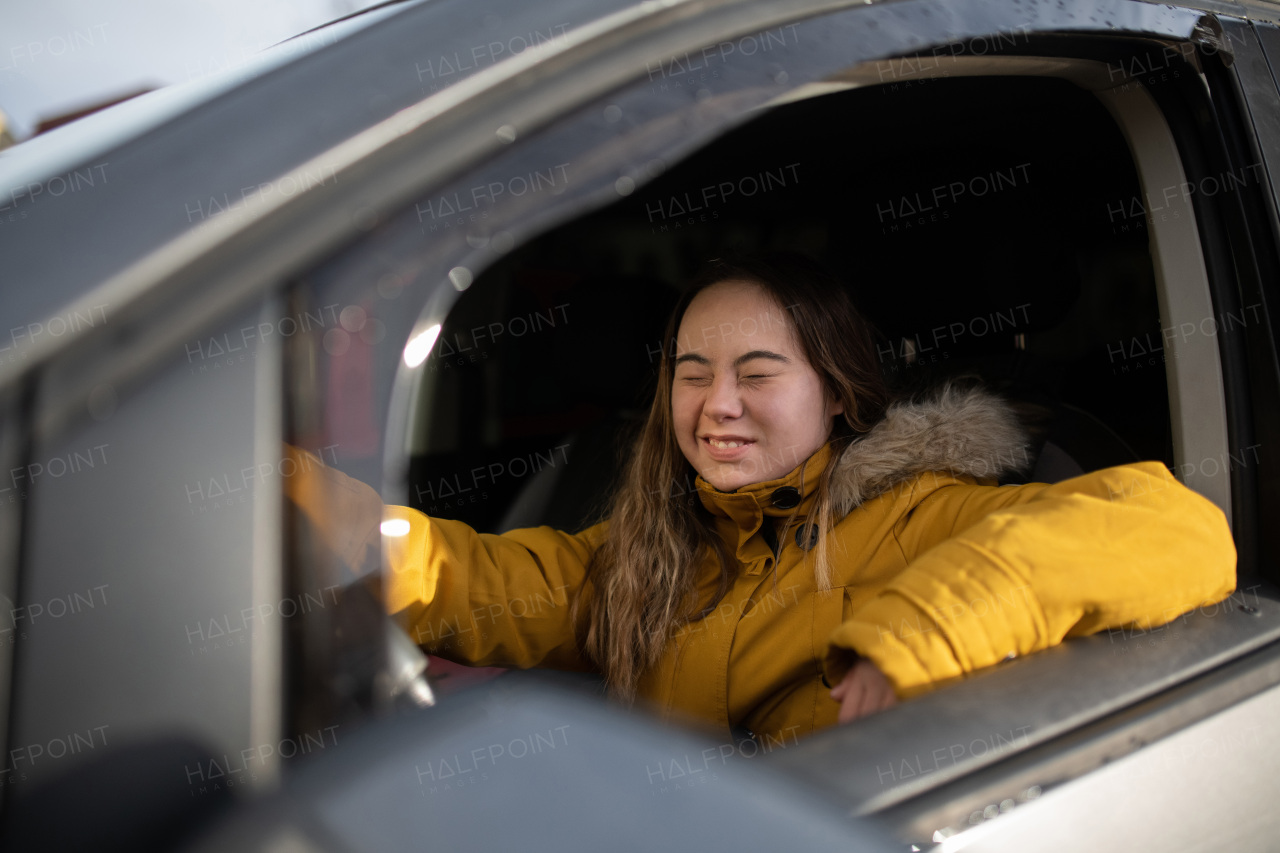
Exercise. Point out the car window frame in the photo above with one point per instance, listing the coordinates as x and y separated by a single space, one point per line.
1114 693
256 253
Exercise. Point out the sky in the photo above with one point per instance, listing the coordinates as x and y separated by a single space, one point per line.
57 56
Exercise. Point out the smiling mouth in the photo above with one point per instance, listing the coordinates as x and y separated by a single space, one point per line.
726 445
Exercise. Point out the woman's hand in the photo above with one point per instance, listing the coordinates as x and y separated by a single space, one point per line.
863 691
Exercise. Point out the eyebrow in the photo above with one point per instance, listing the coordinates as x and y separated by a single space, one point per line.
737 362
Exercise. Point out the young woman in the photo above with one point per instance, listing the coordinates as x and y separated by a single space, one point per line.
790 548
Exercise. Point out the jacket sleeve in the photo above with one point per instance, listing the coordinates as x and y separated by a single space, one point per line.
485 599
999 572
474 598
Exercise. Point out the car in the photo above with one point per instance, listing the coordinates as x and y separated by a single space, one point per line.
435 252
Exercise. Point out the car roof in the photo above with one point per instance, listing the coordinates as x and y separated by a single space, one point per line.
169 160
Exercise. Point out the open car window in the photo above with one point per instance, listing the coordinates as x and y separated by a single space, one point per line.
998 208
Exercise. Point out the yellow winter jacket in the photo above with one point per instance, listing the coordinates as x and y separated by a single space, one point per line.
935 574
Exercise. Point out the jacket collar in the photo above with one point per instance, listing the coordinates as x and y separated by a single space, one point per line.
780 498
960 431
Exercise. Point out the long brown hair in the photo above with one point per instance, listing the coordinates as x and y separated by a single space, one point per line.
643 577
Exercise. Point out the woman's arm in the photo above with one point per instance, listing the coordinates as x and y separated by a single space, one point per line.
485 599
473 598
1010 571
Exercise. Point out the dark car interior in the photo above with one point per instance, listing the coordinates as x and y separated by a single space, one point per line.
990 227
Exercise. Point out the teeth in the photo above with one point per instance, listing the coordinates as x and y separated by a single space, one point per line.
724 445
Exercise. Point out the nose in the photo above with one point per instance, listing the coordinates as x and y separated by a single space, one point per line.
723 399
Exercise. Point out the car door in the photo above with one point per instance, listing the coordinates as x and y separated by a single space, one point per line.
421 204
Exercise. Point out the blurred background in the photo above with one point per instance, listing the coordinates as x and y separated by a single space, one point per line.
61 59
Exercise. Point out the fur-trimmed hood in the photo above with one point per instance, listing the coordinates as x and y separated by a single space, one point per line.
957 430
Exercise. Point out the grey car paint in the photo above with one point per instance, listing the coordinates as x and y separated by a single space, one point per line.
168 274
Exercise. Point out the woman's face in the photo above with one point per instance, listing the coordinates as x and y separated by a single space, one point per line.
747 406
